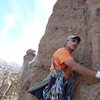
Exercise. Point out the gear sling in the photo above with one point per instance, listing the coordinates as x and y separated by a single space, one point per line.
55 86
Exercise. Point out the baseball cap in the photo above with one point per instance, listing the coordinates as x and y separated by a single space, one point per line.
73 37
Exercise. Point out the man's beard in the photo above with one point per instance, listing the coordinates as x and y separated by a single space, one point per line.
72 48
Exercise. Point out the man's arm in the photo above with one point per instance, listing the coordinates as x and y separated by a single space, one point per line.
80 68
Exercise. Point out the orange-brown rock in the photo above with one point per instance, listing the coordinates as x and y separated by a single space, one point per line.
80 17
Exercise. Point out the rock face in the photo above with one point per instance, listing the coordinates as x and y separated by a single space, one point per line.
80 17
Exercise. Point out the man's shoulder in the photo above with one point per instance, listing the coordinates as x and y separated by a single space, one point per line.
62 51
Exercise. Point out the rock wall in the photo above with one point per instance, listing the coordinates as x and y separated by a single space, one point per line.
80 17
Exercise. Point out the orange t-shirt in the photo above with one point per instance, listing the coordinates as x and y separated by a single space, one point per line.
59 57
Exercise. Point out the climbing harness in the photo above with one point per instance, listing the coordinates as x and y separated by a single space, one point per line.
61 88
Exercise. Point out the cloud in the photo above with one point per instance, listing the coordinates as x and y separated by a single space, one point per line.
32 17
10 21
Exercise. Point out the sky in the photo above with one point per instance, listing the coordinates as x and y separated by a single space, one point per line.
22 24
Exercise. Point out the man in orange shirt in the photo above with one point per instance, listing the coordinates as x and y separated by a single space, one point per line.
62 57
62 60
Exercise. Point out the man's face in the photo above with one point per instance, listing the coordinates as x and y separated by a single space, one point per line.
72 44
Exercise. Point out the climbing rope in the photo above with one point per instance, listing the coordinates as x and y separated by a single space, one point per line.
89 81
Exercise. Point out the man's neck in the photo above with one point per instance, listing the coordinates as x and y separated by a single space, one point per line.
70 50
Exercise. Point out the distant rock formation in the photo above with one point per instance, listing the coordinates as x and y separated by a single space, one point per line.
27 60
80 17
8 83
10 65
30 54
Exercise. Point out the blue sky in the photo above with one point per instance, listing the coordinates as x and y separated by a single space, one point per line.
22 24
